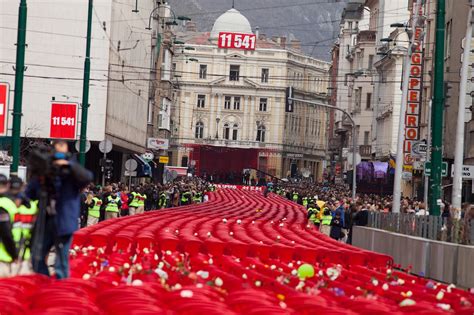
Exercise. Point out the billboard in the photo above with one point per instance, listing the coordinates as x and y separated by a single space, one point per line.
63 120
157 144
4 90
237 41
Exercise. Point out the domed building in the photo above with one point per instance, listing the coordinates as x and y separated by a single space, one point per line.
231 112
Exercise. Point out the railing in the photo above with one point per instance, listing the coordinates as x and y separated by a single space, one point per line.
429 227
365 150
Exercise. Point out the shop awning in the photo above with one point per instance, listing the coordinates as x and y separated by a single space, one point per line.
143 169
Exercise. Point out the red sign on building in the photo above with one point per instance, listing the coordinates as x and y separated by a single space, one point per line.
63 120
236 41
415 95
4 89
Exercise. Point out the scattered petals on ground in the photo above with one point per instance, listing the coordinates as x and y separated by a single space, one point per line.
238 253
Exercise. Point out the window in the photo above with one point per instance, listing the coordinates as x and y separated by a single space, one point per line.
371 62
166 65
234 73
368 102
199 134
226 131
227 102
236 103
235 131
261 133
265 73
150 113
366 137
447 45
201 101
263 104
358 99
202 71
349 26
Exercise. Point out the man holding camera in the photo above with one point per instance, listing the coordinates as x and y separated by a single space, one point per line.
58 192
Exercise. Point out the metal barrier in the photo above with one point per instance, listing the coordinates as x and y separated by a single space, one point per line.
429 227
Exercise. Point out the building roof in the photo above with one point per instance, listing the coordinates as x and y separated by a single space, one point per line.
231 21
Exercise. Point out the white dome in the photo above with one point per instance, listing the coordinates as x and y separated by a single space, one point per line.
231 21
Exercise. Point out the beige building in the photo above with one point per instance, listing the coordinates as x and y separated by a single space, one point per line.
230 112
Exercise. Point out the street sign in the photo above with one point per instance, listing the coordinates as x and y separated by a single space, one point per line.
467 171
148 156
130 173
78 144
4 90
419 149
407 175
105 146
158 144
63 120
444 169
236 41
164 159
131 165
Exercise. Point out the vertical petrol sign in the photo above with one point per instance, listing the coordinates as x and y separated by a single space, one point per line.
415 99
4 90
63 121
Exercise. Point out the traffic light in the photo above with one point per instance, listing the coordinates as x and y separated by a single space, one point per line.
107 167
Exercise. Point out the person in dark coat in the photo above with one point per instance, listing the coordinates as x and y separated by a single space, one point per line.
336 227
61 216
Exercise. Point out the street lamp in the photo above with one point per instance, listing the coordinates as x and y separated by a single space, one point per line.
217 127
179 17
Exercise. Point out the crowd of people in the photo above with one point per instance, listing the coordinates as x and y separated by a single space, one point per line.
118 200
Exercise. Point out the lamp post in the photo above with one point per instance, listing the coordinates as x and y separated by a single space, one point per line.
459 150
217 127
173 22
397 186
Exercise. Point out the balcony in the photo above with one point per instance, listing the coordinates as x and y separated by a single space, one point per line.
365 151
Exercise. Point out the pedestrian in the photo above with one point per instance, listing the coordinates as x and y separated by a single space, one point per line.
326 222
336 227
124 201
133 201
94 204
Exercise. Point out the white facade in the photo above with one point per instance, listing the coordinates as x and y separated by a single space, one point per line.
56 39
235 113
387 96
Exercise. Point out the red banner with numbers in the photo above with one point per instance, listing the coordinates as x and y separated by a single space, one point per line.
3 108
236 41
63 120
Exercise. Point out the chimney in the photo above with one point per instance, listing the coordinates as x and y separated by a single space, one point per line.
191 26
262 36
283 42
257 32
296 44
276 39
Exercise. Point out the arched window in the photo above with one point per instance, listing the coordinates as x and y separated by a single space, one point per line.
199 133
235 131
261 133
226 131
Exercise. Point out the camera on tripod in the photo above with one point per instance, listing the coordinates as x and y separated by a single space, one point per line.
41 162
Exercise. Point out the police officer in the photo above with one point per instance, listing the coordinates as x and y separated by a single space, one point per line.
186 197
112 206
93 213
9 229
326 221
133 202
197 197
27 212
313 214
141 201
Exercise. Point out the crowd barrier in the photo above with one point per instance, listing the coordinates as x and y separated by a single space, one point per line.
442 261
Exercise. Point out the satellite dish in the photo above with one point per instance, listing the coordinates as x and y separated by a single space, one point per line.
305 172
